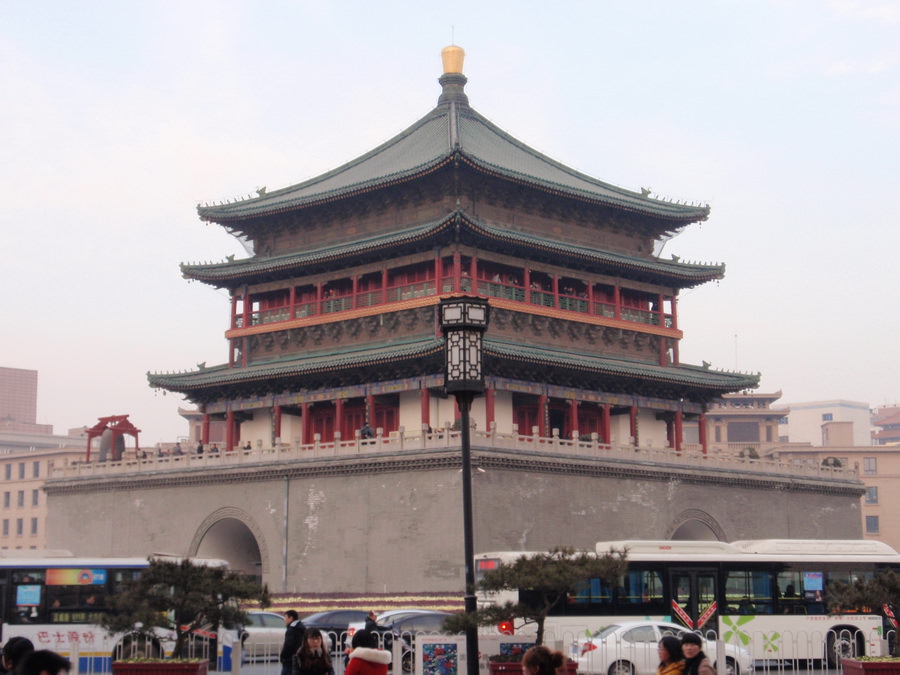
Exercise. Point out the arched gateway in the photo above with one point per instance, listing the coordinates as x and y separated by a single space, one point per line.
231 534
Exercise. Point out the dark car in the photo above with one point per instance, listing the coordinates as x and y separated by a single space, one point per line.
404 629
334 622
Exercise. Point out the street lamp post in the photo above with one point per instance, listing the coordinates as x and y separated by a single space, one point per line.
463 322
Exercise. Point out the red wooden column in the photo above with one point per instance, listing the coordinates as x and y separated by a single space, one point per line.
488 407
277 413
674 313
339 416
438 273
573 416
633 424
306 436
590 298
663 348
670 433
292 301
354 291
370 410
542 415
384 283
319 307
246 308
473 272
424 406
457 271
204 429
556 290
607 428
701 428
245 344
679 427
233 310
229 431
617 301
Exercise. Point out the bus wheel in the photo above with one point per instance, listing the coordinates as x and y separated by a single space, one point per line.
621 668
842 643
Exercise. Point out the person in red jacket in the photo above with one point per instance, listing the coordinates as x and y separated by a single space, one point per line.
366 658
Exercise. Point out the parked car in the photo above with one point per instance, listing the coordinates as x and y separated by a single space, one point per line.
405 628
263 635
335 622
384 619
629 648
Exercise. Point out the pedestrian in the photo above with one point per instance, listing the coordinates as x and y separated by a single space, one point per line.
44 662
313 658
365 657
695 661
671 658
293 640
200 448
15 649
366 431
539 660
371 621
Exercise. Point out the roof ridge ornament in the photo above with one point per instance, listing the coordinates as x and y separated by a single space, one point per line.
453 82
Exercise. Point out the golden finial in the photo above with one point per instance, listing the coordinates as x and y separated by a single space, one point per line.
452 58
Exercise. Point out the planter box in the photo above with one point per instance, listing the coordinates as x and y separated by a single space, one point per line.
854 667
161 668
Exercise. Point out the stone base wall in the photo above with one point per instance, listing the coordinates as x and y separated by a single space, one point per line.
389 523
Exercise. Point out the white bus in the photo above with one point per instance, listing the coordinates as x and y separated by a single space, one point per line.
56 600
768 596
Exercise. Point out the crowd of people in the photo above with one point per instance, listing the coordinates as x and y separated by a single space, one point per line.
304 651
21 658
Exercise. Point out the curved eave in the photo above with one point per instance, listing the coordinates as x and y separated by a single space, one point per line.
679 214
228 273
681 275
311 363
230 214
693 377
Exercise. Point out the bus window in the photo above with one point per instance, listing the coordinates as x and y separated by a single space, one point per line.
592 591
27 599
748 592
642 587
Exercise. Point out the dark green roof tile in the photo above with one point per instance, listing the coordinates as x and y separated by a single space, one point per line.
451 130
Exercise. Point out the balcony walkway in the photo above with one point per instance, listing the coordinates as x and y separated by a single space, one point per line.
397 443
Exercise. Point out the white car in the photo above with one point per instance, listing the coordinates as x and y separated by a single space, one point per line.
263 636
629 648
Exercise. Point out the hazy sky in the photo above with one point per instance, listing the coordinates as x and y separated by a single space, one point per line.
117 118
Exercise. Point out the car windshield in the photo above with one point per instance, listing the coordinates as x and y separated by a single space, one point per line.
603 632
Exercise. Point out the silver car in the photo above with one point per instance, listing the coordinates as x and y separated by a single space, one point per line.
629 648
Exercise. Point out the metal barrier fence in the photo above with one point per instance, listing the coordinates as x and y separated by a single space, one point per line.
785 653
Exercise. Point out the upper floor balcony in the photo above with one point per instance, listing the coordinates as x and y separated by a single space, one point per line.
568 294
